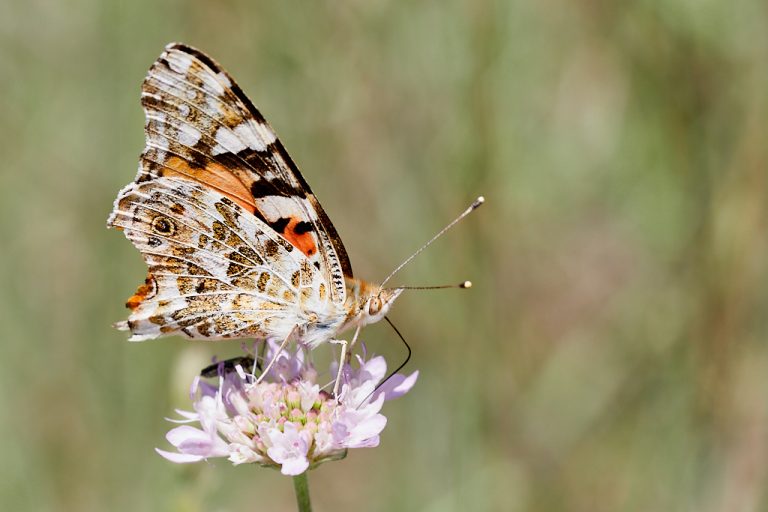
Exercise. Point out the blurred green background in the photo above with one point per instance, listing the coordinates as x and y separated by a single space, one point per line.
612 354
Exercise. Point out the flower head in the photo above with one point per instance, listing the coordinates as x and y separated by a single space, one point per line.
285 420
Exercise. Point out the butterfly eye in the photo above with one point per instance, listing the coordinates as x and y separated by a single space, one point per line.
374 306
163 225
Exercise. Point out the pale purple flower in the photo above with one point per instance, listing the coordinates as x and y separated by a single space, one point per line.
286 420
288 447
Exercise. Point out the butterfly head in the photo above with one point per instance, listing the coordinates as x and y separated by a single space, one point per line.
377 305
369 302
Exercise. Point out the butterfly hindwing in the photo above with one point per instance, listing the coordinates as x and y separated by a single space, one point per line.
201 127
215 270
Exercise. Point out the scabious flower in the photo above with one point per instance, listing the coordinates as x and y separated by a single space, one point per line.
285 420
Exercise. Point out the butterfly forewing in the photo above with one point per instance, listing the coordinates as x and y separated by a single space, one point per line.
200 126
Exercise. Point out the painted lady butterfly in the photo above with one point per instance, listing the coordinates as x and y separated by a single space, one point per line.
236 243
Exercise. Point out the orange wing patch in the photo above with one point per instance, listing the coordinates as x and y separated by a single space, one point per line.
298 233
213 175
145 291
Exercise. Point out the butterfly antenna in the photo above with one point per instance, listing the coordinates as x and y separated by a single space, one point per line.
475 204
465 284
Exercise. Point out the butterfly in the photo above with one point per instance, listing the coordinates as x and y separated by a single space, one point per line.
236 243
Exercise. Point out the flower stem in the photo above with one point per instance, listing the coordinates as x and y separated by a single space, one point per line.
301 487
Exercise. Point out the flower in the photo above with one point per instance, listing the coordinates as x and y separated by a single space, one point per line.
286 420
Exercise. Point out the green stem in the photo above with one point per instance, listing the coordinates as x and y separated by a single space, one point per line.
301 487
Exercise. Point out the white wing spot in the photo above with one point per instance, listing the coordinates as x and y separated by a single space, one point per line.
189 135
266 134
245 133
155 97
179 62
274 206
227 142
160 143
224 79
184 109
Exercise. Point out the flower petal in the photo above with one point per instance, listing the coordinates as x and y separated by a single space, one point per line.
287 365
241 454
376 368
179 458
358 428
397 386
192 441
309 393
289 448
179 435
293 467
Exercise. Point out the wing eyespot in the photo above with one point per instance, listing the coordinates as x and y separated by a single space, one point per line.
163 225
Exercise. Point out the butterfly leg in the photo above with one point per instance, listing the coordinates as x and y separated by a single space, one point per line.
277 354
336 384
353 342
259 359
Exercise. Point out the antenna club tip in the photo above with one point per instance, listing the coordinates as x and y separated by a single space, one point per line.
466 284
480 200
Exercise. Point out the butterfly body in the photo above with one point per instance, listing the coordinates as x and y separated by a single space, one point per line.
236 244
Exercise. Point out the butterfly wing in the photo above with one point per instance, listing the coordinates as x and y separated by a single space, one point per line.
215 270
200 126
236 243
